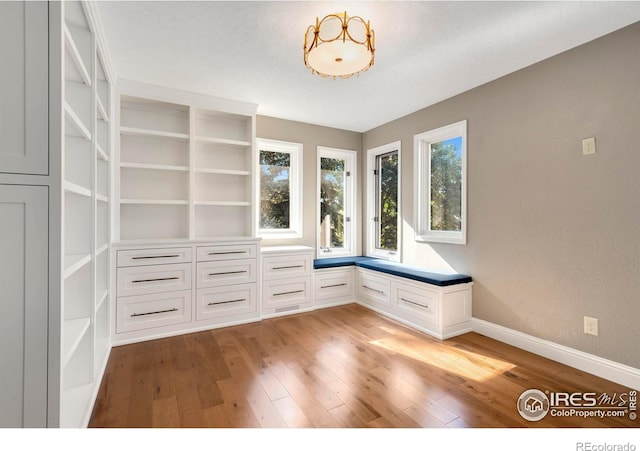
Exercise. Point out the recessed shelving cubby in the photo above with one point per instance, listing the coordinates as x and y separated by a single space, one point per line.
86 151
186 170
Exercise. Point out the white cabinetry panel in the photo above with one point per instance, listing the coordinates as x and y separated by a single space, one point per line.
153 310
374 288
24 305
218 273
292 293
143 257
226 301
153 279
287 266
226 252
333 285
24 77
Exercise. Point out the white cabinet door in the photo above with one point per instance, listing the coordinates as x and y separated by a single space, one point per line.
23 305
24 78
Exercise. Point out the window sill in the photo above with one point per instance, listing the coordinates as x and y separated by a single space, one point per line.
279 235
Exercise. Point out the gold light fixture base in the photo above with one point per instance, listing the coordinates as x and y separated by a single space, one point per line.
339 46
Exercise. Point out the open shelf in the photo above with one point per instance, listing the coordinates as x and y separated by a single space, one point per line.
222 171
157 220
223 128
76 189
74 262
101 153
77 127
74 330
228 142
79 70
154 202
159 167
74 404
153 133
102 112
222 203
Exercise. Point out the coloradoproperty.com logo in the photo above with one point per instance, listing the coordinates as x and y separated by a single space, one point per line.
534 404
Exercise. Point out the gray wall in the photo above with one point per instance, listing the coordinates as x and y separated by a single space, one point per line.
310 136
552 235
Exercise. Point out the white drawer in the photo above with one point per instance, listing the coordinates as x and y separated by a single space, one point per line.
145 257
333 284
152 310
226 252
416 303
373 288
225 301
217 273
286 266
153 279
286 293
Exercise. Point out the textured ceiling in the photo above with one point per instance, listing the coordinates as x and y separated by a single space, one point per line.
425 51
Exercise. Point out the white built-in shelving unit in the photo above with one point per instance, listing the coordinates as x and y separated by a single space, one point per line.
186 165
86 160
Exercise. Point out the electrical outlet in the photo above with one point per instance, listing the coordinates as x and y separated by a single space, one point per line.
588 146
591 326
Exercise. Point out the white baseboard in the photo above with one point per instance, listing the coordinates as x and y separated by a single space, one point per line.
589 363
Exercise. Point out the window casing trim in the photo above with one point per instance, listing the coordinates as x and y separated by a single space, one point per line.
295 189
351 160
422 175
372 186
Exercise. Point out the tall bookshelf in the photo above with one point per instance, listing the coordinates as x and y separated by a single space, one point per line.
86 160
186 165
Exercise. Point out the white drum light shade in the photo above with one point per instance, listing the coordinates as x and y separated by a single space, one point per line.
339 46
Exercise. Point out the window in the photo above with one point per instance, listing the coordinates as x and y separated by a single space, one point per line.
336 202
441 176
280 188
383 201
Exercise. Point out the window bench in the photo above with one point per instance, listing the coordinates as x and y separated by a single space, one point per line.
437 304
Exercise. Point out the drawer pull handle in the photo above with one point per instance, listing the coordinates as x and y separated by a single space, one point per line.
155 256
155 280
288 292
373 289
288 267
228 252
154 313
336 285
414 303
226 272
227 302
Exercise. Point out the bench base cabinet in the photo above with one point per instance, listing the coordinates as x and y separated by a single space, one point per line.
374 289
333 286
442 312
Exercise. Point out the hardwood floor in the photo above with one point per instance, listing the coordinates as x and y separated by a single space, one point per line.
342 367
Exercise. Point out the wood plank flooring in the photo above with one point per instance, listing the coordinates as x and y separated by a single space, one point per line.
342 367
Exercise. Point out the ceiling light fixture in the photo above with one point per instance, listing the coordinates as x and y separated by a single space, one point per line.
339 46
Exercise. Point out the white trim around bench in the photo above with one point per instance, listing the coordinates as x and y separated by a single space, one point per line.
589 363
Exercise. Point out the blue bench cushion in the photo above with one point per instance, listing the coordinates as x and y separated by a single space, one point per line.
336 262
413 273
395 269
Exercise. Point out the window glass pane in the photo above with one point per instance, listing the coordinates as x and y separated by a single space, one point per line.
275 171
332 202
446 185
387 205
